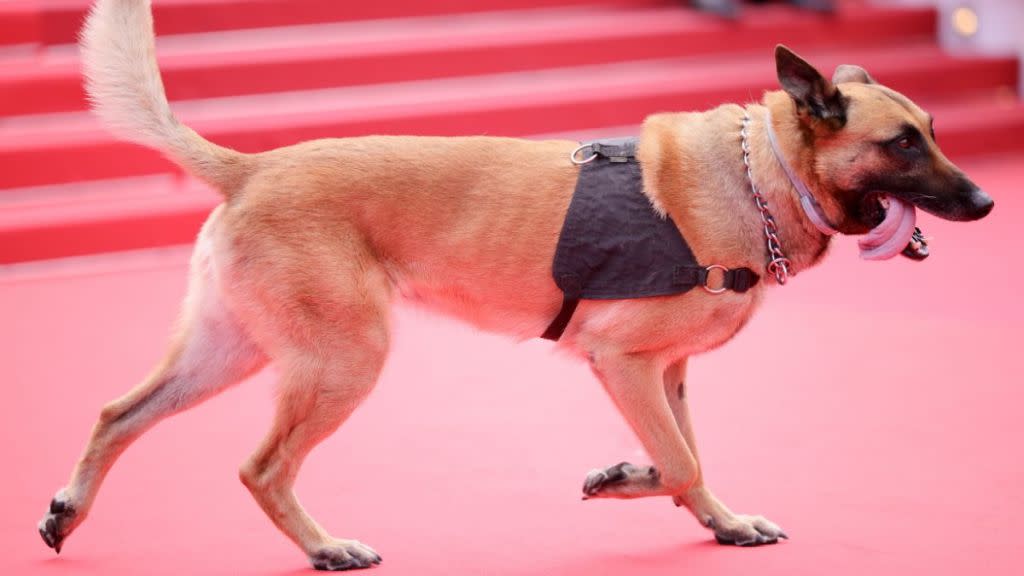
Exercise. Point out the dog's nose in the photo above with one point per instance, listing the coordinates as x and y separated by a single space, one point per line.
981 204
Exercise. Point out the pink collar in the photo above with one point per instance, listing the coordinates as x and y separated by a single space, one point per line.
811 207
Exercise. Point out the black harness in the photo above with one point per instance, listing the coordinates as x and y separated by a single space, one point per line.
614 245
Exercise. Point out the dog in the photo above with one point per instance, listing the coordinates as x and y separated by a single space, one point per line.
301 262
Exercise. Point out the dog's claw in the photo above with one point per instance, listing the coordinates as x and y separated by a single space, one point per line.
51 535
595 480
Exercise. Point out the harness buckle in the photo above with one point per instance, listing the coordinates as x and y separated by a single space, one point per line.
707 276
574 157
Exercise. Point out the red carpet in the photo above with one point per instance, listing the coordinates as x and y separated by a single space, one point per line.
872 409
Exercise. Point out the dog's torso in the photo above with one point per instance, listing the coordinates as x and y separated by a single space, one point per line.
469 226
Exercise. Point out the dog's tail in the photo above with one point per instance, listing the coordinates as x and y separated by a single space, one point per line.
127 93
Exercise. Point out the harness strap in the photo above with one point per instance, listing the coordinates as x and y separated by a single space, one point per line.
738 280
561 322
615 150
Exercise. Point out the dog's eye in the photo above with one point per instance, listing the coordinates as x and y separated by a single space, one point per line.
905 143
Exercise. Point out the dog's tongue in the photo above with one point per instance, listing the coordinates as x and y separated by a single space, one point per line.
894 233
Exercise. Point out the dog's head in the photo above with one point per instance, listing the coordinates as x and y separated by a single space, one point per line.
865 140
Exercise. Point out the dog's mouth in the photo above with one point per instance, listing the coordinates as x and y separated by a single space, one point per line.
893 229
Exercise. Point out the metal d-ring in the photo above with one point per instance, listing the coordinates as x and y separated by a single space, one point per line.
575 152
708 276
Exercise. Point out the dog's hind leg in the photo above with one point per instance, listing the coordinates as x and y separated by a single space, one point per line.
729 528
329 363
209 352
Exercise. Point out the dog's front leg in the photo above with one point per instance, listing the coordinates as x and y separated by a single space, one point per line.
635 385
729 528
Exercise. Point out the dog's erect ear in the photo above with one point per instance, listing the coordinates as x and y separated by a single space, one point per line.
811 91
850 73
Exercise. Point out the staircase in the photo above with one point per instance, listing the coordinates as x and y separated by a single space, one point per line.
257 74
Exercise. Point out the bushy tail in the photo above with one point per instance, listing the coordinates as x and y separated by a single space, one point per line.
125 89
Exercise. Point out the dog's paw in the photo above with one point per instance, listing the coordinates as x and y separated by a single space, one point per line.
58 522
345 555
618 479
745 530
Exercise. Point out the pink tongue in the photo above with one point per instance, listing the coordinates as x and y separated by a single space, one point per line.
891 236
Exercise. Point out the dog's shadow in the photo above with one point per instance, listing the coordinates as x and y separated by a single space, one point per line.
651 561
663 560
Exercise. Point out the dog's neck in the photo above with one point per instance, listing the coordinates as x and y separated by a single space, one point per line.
802 242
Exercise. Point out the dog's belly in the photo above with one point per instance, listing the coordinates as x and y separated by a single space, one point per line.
520 307
672 327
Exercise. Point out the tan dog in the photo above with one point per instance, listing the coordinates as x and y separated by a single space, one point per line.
300 264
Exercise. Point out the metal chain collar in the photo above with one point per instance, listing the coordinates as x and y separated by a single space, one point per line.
778 264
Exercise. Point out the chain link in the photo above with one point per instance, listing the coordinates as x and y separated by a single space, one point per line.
778 264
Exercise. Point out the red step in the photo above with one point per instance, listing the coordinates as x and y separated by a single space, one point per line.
68 147
78 219
311 57
84 218
58 21
20 23
967 126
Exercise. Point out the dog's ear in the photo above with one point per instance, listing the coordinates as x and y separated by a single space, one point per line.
811 91
850 73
